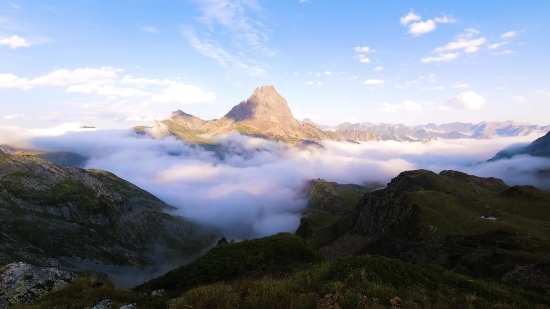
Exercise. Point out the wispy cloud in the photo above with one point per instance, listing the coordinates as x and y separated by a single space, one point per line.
373 82
234 16
496 45
224 59
419 27
408 106
463 42
510 34
506 52
379 68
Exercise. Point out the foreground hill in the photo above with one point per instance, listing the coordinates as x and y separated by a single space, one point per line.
473 225
281 271
81 219
264 114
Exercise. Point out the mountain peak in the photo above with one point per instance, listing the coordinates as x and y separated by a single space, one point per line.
265 105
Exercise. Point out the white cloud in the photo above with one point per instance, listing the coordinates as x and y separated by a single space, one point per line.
519 98
441 57
318 74
364 49
434 88
408 105
509 34
309 83
546 93
501 88
60 77
180 94
463 42
14 42
409 17
13 117
328 73
362 58
444 108
411 106
422 27
302 1
150 29
142 82
373 82
445 19
469 46
111 92
506 52
15 6
466 100
319 83
379 68
460 86
496 45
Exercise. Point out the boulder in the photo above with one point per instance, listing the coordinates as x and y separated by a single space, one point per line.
22 283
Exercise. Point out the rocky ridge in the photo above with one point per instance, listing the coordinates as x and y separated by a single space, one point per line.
264 114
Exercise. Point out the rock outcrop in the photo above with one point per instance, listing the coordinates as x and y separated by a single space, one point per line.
22 283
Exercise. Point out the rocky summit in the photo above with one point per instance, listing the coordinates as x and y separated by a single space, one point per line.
265 114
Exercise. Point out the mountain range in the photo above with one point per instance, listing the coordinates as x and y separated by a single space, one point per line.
266 114
455 130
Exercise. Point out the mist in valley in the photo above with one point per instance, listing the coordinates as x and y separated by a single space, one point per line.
251 187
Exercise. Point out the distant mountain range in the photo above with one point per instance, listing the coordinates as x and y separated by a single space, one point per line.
455 130
266 114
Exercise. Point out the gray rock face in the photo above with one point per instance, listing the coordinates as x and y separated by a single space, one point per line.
21 283
130 306
532 276
104 304
266 105
384 212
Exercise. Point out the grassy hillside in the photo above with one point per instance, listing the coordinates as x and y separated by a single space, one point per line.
231 276
53 215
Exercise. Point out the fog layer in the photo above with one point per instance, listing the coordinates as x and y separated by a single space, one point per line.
251 187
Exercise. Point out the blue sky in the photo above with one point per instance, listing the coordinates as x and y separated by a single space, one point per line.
116 64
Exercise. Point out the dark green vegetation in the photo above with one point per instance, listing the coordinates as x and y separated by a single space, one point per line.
54 215
281 271
473 225
330 201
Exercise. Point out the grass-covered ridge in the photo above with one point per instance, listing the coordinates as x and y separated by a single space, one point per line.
277 254
231 276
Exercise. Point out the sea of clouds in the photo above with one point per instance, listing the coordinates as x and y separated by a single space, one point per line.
249 187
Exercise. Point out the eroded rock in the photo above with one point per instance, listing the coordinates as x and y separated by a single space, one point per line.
22 283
